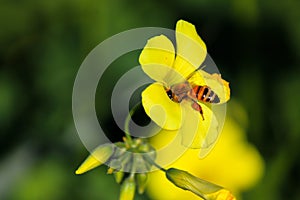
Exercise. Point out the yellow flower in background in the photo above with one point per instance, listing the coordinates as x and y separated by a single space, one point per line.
233 163
170 101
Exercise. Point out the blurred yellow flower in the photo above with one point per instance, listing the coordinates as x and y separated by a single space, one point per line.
233 163
169 69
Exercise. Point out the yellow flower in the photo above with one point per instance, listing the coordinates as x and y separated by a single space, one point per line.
169 69
233 163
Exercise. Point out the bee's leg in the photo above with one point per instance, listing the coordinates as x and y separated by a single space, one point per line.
197 107
181 97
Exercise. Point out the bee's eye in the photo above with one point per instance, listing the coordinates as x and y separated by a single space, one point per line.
170 94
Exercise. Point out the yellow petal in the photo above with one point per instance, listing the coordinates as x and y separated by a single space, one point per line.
99 156
214 81
190 49
163 111
168 147
196 132
157 58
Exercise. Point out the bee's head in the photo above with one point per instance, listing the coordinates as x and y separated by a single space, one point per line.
170 94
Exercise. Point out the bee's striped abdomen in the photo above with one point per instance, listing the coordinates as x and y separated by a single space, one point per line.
205 94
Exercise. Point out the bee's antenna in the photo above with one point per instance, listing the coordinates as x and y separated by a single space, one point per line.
200 68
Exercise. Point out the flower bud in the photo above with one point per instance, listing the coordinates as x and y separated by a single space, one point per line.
110 170
141 181
202 188
100 155
119 176
144 147
128 189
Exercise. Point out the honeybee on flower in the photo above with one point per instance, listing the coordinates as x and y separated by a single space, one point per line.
181 96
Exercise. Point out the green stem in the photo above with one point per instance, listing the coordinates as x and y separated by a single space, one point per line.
129 139
127 122
154 163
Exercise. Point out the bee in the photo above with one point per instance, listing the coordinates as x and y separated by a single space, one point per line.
184 91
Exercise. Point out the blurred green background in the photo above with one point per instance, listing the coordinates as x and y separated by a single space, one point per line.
256 45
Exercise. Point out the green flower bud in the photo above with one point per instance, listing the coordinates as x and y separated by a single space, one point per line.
119 176
99 156
120 144
144 147
141 181
202 188
128 189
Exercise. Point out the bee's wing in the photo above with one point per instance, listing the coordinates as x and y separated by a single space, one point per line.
214 81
